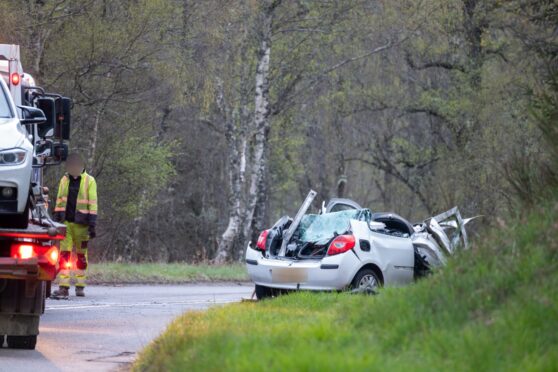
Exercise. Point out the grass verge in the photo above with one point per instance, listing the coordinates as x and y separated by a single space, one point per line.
146 273
492 308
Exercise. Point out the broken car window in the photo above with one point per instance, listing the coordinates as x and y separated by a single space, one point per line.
323 227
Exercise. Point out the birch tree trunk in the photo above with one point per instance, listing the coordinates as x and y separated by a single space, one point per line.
257 189
235 193
236 136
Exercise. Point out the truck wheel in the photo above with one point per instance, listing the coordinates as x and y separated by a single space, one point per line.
263 292
22 342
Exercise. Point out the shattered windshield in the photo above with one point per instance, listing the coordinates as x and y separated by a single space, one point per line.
323 227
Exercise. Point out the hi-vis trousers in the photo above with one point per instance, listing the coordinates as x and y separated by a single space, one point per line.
76 236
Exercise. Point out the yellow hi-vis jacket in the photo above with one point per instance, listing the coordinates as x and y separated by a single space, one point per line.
86 203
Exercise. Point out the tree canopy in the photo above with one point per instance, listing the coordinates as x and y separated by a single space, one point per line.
204 121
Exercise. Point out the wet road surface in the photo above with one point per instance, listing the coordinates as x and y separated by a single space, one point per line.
105 330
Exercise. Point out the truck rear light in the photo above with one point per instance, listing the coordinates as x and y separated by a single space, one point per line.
26 251
15 78
23 251
262 240
341 244
52 256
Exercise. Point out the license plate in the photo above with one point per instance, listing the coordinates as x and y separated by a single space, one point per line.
289 275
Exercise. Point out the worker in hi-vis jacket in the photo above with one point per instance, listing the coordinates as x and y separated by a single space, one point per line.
76 207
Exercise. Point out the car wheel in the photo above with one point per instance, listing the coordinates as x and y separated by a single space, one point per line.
366 281
22 342
263 292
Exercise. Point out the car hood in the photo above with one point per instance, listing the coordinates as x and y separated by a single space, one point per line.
12 134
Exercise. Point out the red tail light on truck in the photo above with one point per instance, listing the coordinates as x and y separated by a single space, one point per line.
341 244
26 251
23 251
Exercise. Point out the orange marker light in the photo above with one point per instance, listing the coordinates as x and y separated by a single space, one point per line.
15 78
52 256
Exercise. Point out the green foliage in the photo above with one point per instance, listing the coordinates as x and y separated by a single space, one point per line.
135 173
456 110
492 308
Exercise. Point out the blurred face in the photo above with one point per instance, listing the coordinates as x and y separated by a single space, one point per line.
74 167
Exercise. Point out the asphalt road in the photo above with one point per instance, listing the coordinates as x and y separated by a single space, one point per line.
105 330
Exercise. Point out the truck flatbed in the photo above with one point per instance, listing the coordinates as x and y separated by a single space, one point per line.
54 231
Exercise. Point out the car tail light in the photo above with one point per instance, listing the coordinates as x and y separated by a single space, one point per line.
341 244
262 240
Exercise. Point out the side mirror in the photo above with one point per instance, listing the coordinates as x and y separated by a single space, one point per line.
62 128
45 149
32 115
66 117
374 225
47 104
60 151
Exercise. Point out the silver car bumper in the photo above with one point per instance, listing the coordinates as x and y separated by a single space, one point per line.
330 273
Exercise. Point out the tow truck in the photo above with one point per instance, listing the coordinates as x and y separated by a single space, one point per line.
34 130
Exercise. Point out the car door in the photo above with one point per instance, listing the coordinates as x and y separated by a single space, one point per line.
396 255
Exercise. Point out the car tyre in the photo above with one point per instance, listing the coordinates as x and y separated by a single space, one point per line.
263 292
22 342
366 281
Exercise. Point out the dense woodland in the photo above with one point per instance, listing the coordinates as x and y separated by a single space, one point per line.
204 121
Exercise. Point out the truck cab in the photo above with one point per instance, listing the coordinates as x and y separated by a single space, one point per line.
34 130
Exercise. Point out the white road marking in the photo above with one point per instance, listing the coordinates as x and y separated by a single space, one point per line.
137 304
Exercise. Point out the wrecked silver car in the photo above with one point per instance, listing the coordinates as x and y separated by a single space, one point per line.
346 246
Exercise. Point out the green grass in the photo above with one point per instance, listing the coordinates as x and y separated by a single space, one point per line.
122 273
494 308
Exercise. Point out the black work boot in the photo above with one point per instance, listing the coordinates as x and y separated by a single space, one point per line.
61 294
80 291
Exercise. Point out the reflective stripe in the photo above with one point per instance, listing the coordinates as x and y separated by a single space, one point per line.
86 188
86 211
80 278
90 202
60 205
64 276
